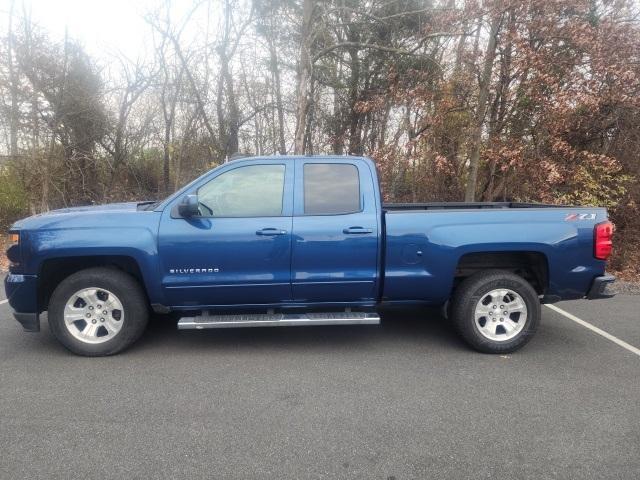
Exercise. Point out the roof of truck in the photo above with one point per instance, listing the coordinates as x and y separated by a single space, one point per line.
236 157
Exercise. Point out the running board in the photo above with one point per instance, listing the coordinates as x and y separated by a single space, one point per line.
277 320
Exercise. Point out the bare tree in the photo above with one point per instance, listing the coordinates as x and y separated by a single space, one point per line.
13 87
136 81
304 75
481 108
164 28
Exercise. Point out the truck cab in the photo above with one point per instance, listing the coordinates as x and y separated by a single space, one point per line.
274 232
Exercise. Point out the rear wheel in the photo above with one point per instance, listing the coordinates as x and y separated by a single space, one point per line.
495 311
98 311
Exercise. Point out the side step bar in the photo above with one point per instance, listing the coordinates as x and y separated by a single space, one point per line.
277 320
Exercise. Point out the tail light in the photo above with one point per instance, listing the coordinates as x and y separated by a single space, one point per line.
602 244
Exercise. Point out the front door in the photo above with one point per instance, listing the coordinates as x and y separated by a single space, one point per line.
238 250
335 233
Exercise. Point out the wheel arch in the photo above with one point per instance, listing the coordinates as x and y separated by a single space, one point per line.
55 270
533 266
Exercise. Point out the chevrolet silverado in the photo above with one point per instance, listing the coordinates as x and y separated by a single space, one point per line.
284 241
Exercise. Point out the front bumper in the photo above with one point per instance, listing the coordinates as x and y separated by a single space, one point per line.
22 293
29 321
599 287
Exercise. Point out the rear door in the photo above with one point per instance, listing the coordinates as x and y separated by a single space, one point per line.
335 232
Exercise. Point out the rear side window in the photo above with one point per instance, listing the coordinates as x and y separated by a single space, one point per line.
331 188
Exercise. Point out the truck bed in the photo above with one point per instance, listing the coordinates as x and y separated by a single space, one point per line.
425 243
465 205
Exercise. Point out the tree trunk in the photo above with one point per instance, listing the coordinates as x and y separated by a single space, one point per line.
166 159
304 77
354 117
277 87
337 132
308 139
169 115
483 94
13 87
499 105
233 123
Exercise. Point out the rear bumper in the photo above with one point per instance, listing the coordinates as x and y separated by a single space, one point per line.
22 294
599 287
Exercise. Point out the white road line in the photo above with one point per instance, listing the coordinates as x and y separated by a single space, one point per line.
595 329
3 301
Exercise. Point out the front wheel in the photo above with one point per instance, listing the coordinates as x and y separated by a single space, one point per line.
495 311
98 311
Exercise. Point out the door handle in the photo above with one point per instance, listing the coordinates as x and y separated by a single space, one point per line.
356 230
269 232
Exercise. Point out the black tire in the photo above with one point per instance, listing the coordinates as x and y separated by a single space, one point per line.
129 293
473 289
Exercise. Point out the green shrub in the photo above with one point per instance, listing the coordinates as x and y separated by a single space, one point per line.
13 198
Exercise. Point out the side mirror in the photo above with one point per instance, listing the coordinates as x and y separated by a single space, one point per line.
188 206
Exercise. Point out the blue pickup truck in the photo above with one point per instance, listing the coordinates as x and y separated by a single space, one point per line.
282 241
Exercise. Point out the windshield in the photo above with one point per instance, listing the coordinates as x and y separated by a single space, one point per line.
177 193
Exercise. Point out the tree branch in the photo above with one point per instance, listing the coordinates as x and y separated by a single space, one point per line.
382 48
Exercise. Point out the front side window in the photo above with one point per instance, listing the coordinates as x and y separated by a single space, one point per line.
251 191
331 189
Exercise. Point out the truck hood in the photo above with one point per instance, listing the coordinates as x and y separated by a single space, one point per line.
126 206
62 215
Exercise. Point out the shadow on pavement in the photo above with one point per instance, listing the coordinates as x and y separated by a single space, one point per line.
416 326
423 329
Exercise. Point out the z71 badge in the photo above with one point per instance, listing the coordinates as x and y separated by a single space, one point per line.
572 217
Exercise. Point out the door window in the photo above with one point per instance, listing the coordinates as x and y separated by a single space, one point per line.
331 189
251 191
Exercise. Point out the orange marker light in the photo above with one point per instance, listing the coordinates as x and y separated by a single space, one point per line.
14 237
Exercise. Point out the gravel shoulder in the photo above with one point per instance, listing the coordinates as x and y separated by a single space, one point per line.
624 287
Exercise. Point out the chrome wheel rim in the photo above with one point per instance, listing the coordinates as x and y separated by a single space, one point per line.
93 315
500 314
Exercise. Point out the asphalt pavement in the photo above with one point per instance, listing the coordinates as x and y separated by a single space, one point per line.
403 400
